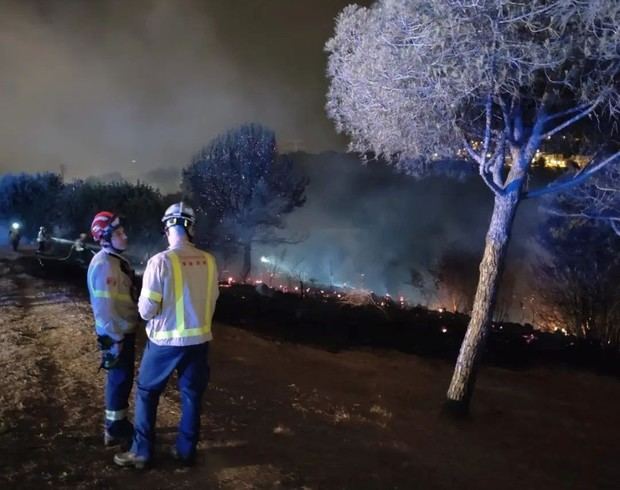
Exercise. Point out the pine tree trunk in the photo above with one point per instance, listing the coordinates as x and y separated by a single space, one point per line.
463 379
247 261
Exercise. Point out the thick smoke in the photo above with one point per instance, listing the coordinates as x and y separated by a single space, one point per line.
370 220
107 86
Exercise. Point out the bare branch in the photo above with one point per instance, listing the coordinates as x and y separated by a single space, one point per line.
568 112
490 179
612 220
582 175
472 153
507 120
487 127
572 120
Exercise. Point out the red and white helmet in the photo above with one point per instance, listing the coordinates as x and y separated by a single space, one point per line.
104 223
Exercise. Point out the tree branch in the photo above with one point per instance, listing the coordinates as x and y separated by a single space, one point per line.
489 178
472 153
567 112
582 175
487 129
613 221
498 165
572 120
507 122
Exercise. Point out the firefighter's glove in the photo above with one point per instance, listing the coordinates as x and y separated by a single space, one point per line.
110 351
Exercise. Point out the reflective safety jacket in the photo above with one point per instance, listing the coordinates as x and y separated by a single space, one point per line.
179 291
110 284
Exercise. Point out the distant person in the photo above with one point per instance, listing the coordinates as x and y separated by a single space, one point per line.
42 239
15 236
110 284
179 291
84 254
80 243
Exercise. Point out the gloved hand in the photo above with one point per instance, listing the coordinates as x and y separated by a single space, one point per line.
110 351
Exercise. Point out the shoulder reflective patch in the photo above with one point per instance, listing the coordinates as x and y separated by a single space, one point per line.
152 295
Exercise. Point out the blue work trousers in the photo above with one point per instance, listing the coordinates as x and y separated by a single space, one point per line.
158 363
117 389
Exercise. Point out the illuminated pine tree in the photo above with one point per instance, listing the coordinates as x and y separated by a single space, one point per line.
417 80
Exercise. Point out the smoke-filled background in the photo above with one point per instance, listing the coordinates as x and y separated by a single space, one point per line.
368 226
111 90
108 86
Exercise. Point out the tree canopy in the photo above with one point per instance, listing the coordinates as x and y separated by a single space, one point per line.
413 80
32 199
244 187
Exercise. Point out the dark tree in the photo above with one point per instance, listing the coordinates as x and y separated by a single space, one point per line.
455 276
597 199
245 188
578 277
31 199
140 205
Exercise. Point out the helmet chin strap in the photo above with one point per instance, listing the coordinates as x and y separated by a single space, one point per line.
107 243
109 246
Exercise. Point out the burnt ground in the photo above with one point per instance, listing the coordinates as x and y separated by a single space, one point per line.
287 415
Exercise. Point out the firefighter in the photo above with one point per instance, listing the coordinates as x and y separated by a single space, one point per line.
82 253
15 235
42 239
113 298
178 296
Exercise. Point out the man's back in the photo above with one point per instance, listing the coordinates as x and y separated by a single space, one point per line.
178 295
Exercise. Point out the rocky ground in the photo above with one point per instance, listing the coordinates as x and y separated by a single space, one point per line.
284 415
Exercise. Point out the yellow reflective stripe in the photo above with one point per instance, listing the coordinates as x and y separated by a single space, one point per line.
177 275
101 293
210 282
152 295
176 334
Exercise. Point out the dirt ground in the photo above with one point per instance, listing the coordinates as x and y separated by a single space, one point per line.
281 415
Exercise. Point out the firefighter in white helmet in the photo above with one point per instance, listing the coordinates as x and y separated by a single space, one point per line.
178 296
113 299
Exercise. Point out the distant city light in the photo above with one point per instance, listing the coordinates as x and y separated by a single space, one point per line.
265 260
15 226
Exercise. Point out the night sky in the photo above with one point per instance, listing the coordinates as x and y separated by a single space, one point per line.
94 85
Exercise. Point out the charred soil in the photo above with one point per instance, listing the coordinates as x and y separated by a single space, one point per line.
287 415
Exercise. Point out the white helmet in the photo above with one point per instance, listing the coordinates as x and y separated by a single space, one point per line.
179 214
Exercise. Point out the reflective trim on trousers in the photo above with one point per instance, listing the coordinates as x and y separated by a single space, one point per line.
114 415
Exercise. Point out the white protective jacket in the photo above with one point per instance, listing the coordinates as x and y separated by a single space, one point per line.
109 284
178 296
